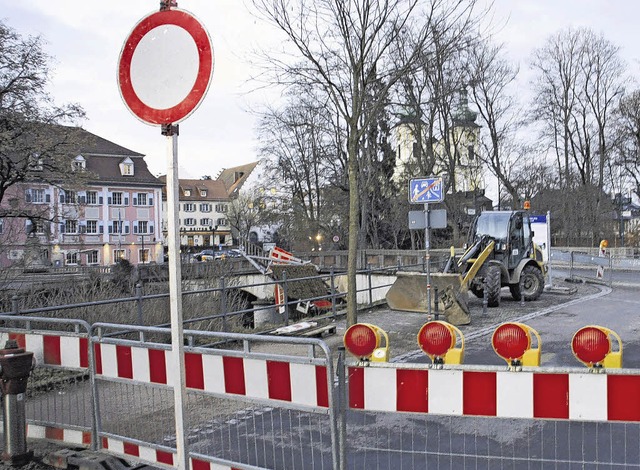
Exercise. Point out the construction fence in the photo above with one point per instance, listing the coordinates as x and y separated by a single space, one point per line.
258 401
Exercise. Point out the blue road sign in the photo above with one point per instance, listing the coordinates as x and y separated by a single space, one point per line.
426 190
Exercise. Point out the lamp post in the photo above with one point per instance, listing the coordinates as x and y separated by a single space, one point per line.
212 229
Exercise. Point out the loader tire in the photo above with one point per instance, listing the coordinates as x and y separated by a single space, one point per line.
532 282
493 285
477 290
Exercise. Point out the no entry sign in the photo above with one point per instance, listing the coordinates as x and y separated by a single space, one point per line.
165 67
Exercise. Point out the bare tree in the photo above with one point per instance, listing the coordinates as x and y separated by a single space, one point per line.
345 48
32 146
297 146
578 85
626 166
490 78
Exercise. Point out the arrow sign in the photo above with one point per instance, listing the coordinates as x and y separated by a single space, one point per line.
426 190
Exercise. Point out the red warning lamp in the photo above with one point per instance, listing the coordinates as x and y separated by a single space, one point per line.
438 339
363 341
512 342
592 346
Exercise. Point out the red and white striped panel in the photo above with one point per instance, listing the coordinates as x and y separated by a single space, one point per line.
54 350
303 384
67 436
280 256
573 396
151 455
147 454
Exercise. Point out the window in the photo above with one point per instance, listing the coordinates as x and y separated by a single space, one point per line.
187 192
35 162
36 196
203 193
221 208
92 226
142 199
143 255
189 221
79 163
69 197
92 197
126 167
205 207
70 226
1 225
39 226
116 199
142 226
71 258
92 257
117 255
221 222
189 207
205 222
117 226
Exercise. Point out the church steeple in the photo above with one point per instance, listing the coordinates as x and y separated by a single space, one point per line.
463 116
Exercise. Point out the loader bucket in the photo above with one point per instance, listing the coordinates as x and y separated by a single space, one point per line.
409 293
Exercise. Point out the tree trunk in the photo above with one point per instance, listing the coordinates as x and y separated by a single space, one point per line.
352 265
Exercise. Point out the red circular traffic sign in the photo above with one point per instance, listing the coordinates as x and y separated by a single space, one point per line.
165 67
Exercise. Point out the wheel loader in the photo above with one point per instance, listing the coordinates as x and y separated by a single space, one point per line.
500 252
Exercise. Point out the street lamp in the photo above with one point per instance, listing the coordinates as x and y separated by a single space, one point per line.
212 229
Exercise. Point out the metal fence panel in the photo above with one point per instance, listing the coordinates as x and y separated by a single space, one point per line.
256 402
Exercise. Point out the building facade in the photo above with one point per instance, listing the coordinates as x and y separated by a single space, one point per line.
111 211
203 208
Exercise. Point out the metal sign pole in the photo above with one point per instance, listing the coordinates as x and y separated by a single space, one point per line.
175 293
427 246
549 248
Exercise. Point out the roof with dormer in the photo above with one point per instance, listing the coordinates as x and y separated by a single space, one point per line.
103 157
199 190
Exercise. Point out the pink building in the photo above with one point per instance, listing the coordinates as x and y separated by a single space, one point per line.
111 211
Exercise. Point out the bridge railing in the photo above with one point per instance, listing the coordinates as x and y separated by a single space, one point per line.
232 305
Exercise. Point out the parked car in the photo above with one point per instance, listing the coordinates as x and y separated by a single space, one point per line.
205 255
231 253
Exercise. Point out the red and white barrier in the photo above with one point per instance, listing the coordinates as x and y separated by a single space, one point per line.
505 394
68 436
148 454
64 351
127 449
280 256
303 384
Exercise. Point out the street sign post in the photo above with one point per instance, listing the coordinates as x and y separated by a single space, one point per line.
164 72
424 191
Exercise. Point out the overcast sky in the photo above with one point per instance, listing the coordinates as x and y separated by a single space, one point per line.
85 38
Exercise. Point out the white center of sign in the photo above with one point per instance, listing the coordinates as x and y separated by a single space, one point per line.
164 66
